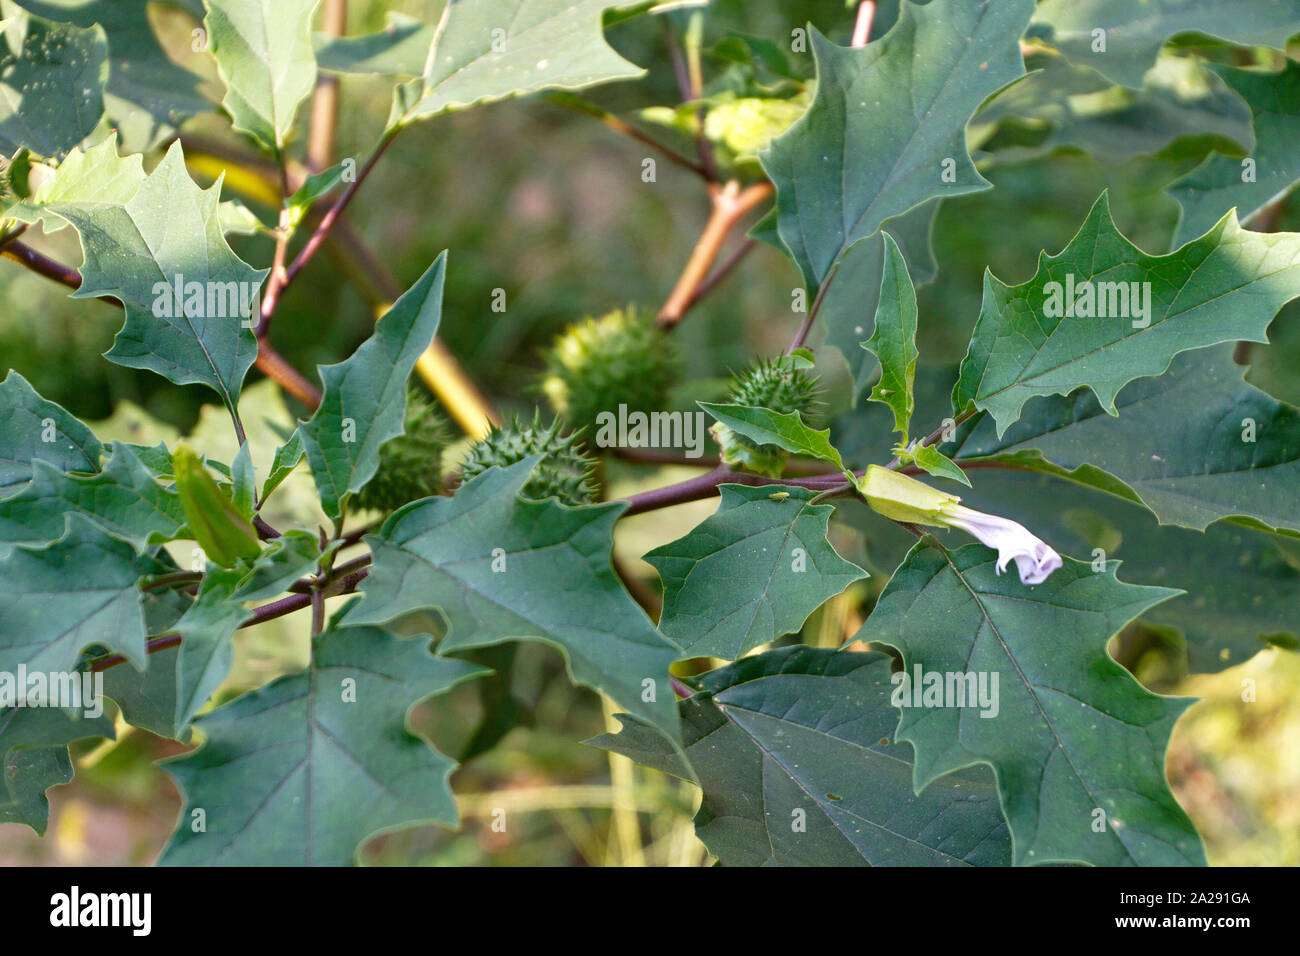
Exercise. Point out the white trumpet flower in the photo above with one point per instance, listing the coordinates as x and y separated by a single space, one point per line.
906 499
1012 541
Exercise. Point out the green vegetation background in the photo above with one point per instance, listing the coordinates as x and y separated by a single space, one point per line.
550 206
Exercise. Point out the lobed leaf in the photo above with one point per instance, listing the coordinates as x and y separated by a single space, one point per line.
168 232
95 175
1077 744
304 769
124 499
791 749
499 567
488 50
1225 286
1076 107
882 136
1242 586
1194 445
79 591
893 341
776 560
1120 38
34 757
52 78
365 396
264 53
35 429
848 309
1271 170
148 95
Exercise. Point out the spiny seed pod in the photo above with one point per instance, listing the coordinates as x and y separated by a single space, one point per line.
596 365
410 466
564 473
747 125
778 384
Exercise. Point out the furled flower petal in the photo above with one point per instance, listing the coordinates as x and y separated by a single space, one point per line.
1013 542
905 499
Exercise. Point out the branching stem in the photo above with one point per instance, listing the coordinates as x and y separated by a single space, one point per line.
579 105
731 204
322 232
342 580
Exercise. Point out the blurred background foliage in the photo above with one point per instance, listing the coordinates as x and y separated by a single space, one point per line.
549 206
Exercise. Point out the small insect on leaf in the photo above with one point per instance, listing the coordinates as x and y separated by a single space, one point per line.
779 495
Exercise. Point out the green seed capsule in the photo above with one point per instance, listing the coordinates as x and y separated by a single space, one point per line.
781 385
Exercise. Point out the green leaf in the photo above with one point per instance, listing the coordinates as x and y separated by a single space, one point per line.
179 681
855 294
894 340
96 175
772 552
1242 594
365 396
883 137
243 482
238 220
1075 107
1133 33
754 54
148 95
52 78
124 499
786 430
62 598
934 462
158 458
34 429
168 233
264 54
502 568
801 735
282 561
29 772
401 49
315 187
1271 170
489 50
287 458
34 757
1273 368
304 769
1179 445
1073 734
1225 286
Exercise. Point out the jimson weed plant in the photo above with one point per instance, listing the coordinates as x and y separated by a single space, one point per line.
1107 462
